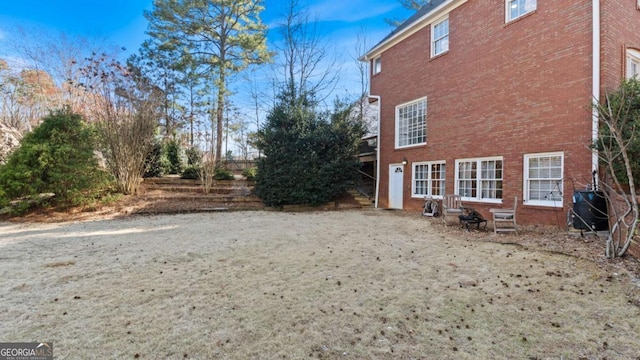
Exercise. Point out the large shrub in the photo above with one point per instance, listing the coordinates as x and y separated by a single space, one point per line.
56 157
155 162
309 157
173 153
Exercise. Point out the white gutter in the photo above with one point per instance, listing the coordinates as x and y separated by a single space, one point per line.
377 97
595 82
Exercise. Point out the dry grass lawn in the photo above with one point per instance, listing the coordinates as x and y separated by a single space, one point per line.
332 285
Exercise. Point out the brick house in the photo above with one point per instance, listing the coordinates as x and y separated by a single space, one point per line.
490 99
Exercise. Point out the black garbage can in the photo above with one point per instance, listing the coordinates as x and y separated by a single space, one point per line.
590 210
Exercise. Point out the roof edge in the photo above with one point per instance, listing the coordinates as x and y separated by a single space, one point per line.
417 21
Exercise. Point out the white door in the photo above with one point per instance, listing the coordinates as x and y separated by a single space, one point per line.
396 179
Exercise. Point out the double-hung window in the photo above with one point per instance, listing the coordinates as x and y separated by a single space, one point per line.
376 66
633 63
543 177
517 8
440 37
479 179
428 179
411 123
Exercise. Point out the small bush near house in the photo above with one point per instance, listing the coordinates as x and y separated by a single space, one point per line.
57 157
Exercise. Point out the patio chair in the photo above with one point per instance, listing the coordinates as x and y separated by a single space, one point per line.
504 220
451 206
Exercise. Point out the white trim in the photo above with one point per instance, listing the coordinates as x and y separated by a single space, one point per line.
525 180
632 56
376 65
478 197
595 83
433 39
429 179
426 20
377 196
396 125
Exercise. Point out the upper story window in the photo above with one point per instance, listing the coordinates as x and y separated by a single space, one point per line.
376 65
633 63
411 123
440 37
479 179
516 8
543 176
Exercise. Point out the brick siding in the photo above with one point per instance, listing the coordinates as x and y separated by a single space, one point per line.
503 90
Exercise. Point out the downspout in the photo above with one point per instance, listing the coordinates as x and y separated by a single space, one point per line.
377 97
595 85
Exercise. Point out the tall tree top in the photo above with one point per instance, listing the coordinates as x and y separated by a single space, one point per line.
220 33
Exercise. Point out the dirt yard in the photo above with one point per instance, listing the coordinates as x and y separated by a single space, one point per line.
357 284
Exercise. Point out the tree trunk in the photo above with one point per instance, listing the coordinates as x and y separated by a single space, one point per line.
219 119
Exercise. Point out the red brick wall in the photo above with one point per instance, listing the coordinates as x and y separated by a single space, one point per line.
620 30
501 90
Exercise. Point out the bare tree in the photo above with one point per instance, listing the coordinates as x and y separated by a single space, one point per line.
362 47
126 109
307 68
618 147
62 57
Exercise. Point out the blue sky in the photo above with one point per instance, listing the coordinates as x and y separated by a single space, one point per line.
122 22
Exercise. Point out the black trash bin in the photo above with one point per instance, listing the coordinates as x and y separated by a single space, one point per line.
590 210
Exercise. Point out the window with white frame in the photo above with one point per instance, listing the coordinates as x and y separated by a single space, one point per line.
440 37
479 179
428 179
376 65
516 8
411 123
543 179
633 63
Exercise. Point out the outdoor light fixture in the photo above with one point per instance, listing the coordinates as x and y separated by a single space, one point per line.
404 161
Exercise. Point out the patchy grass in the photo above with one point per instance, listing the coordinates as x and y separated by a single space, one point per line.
333 285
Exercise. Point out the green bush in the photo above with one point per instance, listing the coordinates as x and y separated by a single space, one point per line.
250 173
310 157
194 156
172 151
622 111
154 162
191 172
56 157
223 174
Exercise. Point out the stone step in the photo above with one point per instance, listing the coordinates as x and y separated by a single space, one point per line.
199 197
177 181
360 199
197 189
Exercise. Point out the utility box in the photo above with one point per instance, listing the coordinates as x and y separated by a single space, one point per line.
590 210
